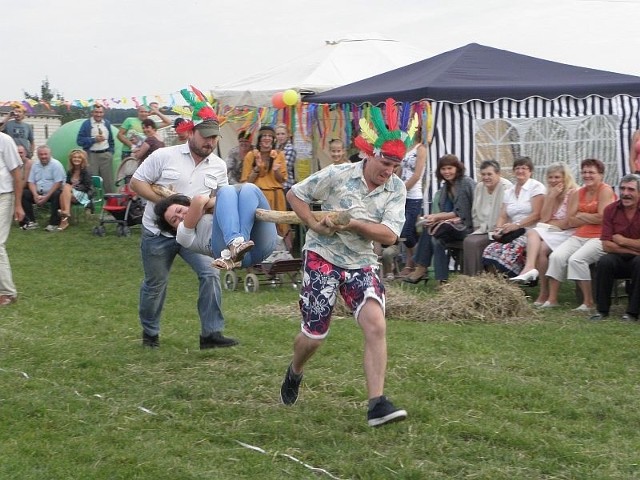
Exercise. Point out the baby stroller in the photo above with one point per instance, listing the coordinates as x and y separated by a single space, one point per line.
124 208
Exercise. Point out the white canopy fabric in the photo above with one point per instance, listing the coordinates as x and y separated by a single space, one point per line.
333 64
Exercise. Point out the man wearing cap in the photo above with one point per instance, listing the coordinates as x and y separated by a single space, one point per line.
131 132
341 259
191 169
96 138
15 126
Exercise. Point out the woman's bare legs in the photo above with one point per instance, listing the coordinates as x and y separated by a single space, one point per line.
533 248
65 199
542 263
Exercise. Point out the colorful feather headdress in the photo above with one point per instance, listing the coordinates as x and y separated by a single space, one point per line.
382 136
201 109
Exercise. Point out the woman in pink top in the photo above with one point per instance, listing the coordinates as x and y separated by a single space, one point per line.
571 260
634 153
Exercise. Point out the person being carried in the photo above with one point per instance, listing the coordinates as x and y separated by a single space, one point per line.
341 259
230 234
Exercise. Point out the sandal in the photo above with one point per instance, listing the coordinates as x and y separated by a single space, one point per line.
225 264
64 224
239 247
64 214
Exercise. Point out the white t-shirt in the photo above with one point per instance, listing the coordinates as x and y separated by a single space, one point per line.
518 208
9 161
174 167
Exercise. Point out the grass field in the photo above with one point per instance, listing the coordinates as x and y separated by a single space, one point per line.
81 399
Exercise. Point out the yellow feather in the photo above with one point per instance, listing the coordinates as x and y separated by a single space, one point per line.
413 126
367 132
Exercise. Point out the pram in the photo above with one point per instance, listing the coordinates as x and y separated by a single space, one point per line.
124 208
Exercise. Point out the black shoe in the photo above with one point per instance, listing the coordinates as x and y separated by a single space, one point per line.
384 412
598 316
289 388
216 340
151 341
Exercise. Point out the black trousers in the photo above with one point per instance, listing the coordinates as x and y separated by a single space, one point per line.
27 205
616 266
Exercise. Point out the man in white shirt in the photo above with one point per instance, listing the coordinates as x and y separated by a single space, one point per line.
191 169
10 209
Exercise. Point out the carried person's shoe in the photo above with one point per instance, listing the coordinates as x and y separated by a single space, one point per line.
225 264
239 247
151 341
290 386
216 340
384 412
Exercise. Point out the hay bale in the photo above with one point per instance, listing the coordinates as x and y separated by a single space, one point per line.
485 298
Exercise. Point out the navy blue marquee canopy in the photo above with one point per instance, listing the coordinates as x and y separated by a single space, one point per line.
477 72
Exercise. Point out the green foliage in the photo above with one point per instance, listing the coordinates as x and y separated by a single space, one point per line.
80 397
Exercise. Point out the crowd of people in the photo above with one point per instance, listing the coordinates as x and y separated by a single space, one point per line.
526 231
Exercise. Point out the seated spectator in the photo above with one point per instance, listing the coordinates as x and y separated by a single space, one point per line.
45 186
78 187
454 207
235 157
520 210
551 232
27 163
621 243
151 142
231 234
487 201
571 260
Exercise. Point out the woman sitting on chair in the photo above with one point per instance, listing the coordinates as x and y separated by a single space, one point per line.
77 189
230 234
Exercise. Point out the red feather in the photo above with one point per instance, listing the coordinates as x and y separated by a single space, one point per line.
207 113
185 126
362 145
393 150
199 94
392 114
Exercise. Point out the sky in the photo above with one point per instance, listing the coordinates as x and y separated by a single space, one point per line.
123 48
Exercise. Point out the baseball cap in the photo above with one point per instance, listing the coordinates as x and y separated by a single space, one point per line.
208 128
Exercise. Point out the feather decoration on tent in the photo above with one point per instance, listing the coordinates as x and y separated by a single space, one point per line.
413 128
405 116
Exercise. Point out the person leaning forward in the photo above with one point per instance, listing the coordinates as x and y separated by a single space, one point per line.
341 259
621 243
191 169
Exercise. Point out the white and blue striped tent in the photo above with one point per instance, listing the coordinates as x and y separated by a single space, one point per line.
491 103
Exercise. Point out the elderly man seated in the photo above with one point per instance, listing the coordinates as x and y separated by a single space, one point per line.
621 242
44 185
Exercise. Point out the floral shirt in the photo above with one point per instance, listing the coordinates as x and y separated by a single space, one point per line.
343 187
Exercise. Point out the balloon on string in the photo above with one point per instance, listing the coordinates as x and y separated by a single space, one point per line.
277 100
290 97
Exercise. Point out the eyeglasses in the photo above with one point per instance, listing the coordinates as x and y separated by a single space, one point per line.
589 172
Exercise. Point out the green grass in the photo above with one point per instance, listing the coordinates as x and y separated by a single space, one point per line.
80 398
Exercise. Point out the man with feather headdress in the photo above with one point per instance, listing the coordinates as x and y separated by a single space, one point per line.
341 259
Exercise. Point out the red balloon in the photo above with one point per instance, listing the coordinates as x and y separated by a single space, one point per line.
278 101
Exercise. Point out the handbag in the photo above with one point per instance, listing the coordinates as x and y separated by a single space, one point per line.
447 231
510 236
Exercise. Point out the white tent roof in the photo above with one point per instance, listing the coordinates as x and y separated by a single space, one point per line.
331 65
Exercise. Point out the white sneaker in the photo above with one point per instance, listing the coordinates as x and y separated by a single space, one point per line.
51 228
582 308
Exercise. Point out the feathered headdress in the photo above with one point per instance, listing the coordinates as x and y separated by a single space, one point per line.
201 109
382 136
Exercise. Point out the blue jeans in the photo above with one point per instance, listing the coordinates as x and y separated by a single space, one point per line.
234 216
158 253
412 208
430 248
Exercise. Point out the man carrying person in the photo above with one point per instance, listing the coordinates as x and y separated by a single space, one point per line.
341 259
95 137
10 209
45 182
621 242
16 128
191 169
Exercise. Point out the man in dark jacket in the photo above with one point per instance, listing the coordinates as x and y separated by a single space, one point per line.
97 139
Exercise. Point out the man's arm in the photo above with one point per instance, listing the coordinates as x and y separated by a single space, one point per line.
621 244
373 231
18 186
84 138
144 190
